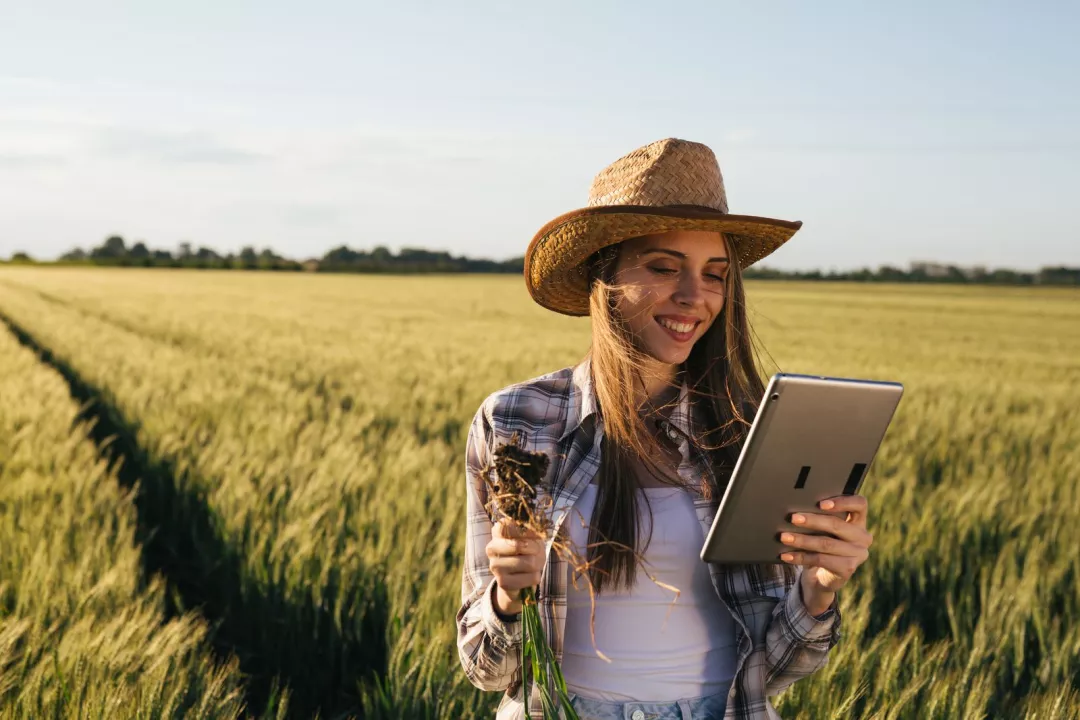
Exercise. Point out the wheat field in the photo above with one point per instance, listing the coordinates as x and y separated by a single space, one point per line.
229 494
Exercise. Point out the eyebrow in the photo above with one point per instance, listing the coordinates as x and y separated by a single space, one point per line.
676 253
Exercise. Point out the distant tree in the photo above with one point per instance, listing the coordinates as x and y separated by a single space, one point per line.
21 257
267 259
516 265
1006 277
381 254
419 255
955 274
343 256
114 245
184 251
887 273
248 257
758 272
1059 276
76 255
139 251
112 249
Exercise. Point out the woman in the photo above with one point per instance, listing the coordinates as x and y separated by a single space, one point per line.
642 436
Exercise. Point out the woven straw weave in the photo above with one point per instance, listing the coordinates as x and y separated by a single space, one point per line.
668 172
667 185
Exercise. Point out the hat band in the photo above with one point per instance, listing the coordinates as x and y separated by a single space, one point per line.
687 206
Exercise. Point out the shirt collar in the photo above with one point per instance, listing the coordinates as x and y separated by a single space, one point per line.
583 402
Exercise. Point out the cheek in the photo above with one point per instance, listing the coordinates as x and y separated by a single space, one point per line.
635 305
716 306
715 302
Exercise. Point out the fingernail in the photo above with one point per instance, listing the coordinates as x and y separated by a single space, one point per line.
787 557
798 519
827 504
787 538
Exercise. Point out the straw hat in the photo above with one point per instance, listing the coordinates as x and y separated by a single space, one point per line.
666 185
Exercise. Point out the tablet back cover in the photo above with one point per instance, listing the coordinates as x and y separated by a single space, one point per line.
812 438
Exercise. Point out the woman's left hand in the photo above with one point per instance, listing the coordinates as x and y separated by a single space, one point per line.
830 560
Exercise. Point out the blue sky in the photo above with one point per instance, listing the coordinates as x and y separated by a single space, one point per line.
894 131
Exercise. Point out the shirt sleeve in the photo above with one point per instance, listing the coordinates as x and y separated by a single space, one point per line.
489 646
797 644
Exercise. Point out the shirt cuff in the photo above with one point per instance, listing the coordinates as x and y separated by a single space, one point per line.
806 628
504 629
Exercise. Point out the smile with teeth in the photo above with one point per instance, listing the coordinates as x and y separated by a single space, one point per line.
678 327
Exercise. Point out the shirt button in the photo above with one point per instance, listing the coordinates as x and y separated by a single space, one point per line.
637 715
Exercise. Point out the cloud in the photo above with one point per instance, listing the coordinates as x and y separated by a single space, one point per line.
28 160
739 136
178 147
311 215
950 148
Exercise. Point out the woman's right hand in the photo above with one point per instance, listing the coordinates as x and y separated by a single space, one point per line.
516 558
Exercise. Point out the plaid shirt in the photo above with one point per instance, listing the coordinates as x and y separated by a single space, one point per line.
777 640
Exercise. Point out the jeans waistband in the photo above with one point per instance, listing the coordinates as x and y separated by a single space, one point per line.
708 707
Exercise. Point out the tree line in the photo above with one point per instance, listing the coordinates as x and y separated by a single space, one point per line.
929 273
115 251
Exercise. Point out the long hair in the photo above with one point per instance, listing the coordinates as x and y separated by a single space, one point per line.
725 387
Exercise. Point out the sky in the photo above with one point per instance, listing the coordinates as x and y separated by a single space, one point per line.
897 132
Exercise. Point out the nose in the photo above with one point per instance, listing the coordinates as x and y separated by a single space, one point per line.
690 291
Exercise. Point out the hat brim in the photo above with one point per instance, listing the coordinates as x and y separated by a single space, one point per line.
554 262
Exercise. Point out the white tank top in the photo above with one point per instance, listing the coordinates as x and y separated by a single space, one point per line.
659 652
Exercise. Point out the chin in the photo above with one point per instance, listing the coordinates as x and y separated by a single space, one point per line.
665 353
674 358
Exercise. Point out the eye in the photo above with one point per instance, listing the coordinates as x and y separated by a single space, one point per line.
717 278
663 270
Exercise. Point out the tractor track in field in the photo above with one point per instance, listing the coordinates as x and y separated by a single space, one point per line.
180 540
185 343
326 388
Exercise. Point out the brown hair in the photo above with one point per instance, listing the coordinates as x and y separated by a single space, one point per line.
725 386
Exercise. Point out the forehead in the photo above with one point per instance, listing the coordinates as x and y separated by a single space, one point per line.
692 243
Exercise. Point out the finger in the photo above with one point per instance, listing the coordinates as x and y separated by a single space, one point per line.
851 532
515 566
514 545
855 505
822 544
502 547
842 566
503 567
511 565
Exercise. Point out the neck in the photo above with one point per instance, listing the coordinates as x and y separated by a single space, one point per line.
660 389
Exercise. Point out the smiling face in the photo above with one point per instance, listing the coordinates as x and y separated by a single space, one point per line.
672 288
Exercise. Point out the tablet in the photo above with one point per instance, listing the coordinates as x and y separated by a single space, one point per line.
812 438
